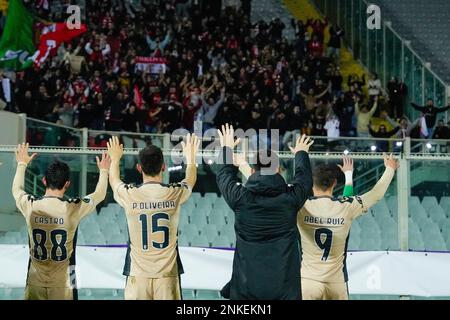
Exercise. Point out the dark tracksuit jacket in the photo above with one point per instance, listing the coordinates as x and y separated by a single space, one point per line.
430 113
383 145
267 258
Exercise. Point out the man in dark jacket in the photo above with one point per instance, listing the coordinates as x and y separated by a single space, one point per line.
267 259
430 112
382 133
397 93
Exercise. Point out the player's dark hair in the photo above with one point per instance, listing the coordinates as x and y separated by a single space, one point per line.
57 175
324 176
151 160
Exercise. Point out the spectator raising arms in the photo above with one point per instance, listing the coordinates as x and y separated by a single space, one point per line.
156 66
363 116
429 113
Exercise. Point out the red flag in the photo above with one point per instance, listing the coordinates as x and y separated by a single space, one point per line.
52 37
138 97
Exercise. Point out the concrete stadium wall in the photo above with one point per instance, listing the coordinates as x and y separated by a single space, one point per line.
12 132
12 128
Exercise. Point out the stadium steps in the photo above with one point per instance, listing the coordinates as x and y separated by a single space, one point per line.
425 24
303 9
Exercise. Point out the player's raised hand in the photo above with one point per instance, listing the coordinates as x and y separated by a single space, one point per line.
190 148
391 162
303 143
103 163
115 149
226 136
22 154
347 164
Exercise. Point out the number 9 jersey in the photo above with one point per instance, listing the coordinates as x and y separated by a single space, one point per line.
324 225
152 212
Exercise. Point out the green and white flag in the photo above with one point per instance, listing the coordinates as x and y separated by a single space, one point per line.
16 44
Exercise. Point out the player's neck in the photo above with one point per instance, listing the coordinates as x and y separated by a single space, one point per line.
54 193
148 179
321 193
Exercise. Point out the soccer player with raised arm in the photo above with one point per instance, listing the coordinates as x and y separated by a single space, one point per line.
152 264
52 222
324 224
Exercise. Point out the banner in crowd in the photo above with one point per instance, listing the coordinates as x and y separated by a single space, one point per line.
16 44
373 273
151 65
17 47
52 36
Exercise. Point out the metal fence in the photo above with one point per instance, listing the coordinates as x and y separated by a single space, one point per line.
418 173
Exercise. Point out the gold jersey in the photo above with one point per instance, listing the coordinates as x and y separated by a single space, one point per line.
52 230
152 212
324 225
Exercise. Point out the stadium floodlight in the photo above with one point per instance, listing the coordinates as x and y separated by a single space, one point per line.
175 168
399 143
429 146
346 152
373 148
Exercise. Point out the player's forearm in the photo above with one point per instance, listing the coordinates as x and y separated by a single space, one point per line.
102 186
348 189
114 174
378 192
19 179
191 175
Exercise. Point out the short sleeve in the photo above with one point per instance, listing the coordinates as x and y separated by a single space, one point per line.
357 207
121 194
185 191
24 202
87 205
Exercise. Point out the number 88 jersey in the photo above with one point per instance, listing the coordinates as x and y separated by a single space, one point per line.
152 212
52 230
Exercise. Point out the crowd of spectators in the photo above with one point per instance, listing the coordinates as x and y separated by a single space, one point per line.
219 67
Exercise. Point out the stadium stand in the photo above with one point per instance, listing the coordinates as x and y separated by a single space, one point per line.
425 24
207 221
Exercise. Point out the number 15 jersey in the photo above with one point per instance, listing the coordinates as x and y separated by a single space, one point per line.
152 212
